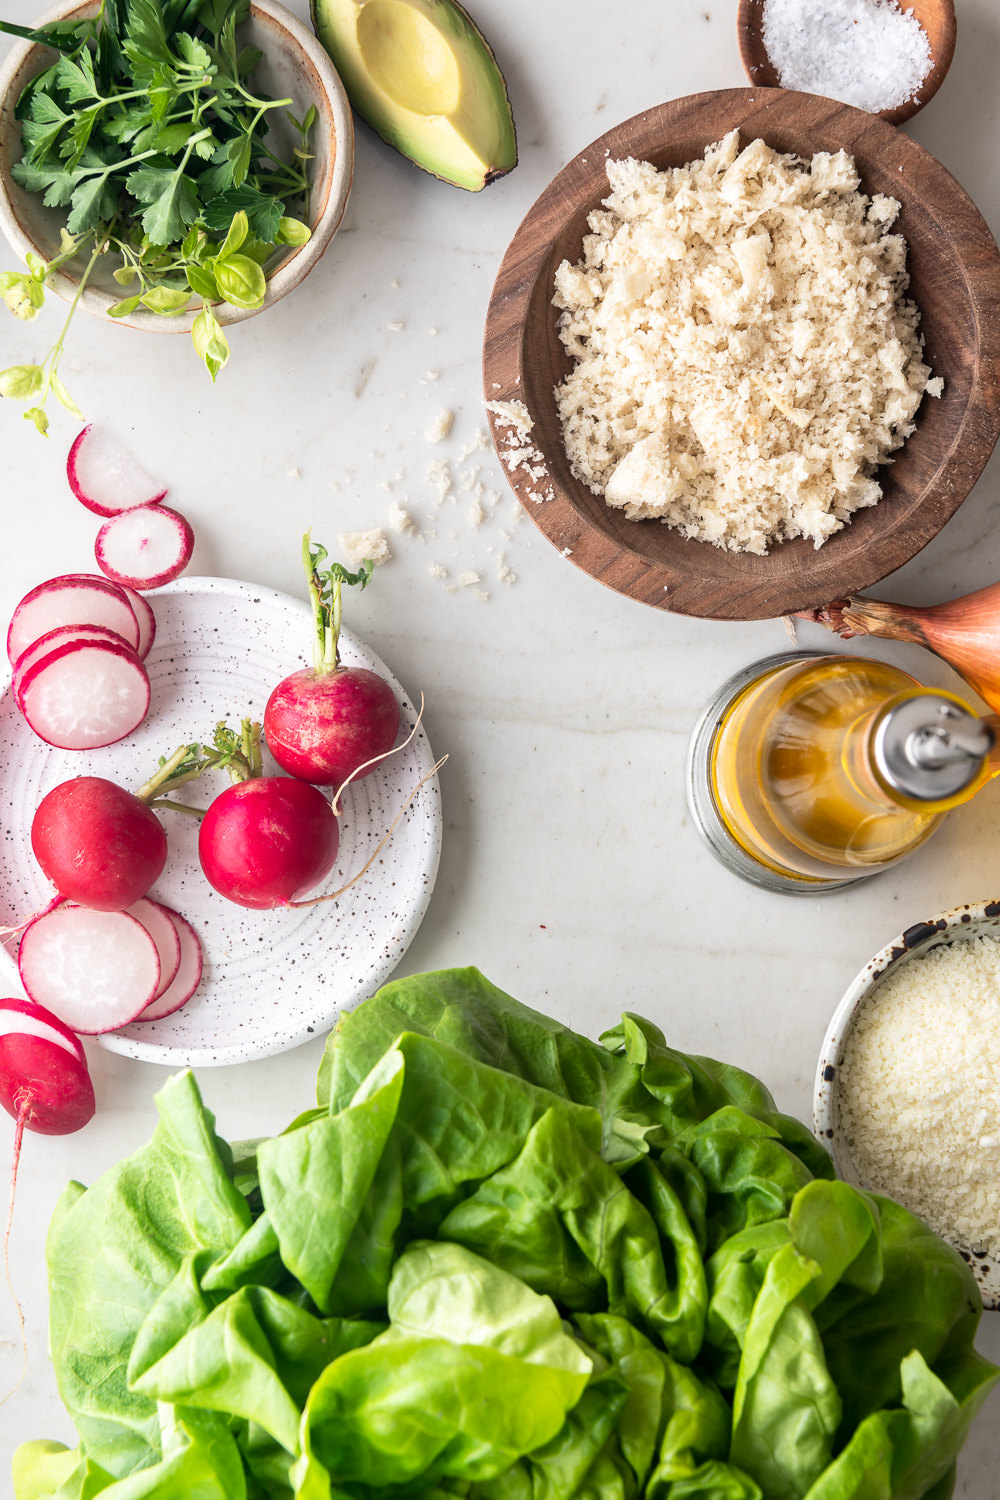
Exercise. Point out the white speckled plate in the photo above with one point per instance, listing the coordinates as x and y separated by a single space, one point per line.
272 978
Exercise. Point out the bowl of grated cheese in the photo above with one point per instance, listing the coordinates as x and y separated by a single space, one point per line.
907 1092
746 410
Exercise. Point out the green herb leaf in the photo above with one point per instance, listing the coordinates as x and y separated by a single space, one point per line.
80 131
124 275
241 281
125 126
165 300
147 39
87 200
263 211
64 397
211 344
55 184
293 232
37 415
171 201
75 76
23 295
237 233
40 137
203 283
194 53
247 60
21 382
123 308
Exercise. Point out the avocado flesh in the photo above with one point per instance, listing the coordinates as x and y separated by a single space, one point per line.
423 77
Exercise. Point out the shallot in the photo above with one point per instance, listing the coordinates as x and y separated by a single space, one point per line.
964 632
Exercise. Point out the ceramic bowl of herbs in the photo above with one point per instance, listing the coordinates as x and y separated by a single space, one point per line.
177 165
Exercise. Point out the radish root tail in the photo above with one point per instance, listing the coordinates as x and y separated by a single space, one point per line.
9 932
22 1120
333 895
335 804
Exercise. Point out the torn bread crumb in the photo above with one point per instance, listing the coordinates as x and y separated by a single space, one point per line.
441 426
400 520
356 546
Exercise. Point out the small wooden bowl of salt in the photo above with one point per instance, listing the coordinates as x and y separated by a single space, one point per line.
887 58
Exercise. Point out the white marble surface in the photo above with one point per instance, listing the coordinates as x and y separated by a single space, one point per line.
570 874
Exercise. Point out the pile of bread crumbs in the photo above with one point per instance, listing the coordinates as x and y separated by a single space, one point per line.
745 356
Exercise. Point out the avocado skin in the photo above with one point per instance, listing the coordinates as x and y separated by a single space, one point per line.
397 127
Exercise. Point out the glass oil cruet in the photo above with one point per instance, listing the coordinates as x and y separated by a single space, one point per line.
809 772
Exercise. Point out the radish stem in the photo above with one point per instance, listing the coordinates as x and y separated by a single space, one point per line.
324 596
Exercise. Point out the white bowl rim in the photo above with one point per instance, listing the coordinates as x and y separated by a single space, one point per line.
295 268
960 922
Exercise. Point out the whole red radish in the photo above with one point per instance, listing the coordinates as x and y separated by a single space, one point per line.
266 840
45 1085
99 844
328 724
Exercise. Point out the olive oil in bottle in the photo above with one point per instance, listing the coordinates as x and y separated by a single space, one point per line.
808 772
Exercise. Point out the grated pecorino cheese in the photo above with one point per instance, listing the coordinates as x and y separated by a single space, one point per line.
919 1090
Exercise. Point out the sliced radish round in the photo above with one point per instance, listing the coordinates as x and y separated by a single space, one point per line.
156 920
147 620
85 695
95 970
55 1081
63 635
72 599
188 975
143 548
17 1016
105 477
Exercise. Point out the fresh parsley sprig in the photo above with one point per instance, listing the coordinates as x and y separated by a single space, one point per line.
146 130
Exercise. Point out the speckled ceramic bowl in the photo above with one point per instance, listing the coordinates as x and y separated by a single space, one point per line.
978 917
294 65
272 979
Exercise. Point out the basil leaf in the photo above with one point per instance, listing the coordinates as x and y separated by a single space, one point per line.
240 281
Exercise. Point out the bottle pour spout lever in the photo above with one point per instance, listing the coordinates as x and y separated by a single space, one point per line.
929 748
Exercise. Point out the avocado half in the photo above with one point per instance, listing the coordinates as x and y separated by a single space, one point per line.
423 76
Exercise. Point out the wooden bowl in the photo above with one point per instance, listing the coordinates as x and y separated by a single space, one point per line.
294 65
937 17
955 278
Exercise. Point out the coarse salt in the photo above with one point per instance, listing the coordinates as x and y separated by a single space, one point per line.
869 53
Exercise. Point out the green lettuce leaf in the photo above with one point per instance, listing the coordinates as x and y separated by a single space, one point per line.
113 1248
558 1195
474 1372
461 1008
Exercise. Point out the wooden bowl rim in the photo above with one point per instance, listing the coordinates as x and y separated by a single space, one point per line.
329 194
625 568
760 70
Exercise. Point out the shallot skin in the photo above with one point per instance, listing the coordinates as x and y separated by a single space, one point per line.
964 632
321 726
